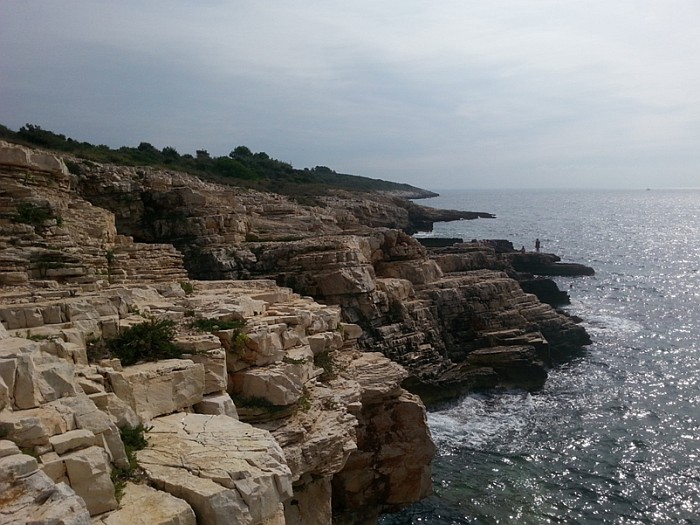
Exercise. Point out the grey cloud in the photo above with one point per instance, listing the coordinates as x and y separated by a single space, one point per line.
443 94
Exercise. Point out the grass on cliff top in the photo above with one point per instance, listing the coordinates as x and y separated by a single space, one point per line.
241 167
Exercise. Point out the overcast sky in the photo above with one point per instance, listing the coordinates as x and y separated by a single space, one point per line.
439 94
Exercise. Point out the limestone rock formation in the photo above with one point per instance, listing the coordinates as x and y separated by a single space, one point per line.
218 465
28 495
296 412
143 505
67 410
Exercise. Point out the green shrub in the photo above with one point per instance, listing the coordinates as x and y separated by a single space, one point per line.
187 287
34 214
148 341
326 361
134 439
304 403
74 167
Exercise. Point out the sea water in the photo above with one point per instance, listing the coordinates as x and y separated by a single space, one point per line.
614 435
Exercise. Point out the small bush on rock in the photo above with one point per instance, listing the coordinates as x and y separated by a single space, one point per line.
326 361
148 341
134 439
187 287
34 214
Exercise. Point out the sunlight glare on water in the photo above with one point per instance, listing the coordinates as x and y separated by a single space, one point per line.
614 436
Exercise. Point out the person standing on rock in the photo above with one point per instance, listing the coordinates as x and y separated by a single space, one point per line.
537 245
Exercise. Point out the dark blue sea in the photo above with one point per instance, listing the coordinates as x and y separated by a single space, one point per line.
614 435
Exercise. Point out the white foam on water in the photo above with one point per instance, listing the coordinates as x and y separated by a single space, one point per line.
610 325
477 419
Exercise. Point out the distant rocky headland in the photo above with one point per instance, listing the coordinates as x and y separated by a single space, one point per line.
176 349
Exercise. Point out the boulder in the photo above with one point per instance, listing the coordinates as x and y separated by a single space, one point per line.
143 505
32 427
89 473
217 404
221 467
118 410
72 440
280 384
214 363
311 503
87 416
30 496
163 387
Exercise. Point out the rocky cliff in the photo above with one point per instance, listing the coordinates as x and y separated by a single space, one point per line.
299 415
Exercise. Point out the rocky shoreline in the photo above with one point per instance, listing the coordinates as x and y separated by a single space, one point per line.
309 412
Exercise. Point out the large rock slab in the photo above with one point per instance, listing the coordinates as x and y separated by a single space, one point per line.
143 505
281 384
227 471
89 474
154 389
27 495
32 377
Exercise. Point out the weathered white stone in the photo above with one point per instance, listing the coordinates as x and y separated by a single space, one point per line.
32 427
290 339
55 379
109 327
17 466
378 376
8 448
143 505
35 499
3 332
12 318
154 389
260 346
19 372
89 474
71 352
5 394
72 440
53 314
217 404
350 331
225 468
348 280
280 384
311 504
325 342
87 416
215 374
113 363
88 386
54 467
196 344
81 311
118 410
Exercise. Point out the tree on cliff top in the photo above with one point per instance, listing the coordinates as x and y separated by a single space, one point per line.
241 166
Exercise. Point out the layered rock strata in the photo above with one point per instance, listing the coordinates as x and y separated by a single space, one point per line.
49 235
315 426
292 372
342 253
